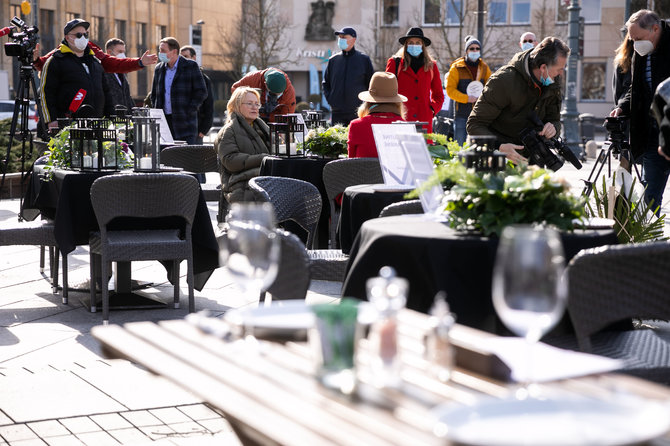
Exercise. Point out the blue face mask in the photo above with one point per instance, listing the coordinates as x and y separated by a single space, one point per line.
342 43
162 57
546 81
474 56
526 46
414 50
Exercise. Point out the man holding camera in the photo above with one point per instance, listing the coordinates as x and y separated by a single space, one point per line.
524 90
277 93
649 67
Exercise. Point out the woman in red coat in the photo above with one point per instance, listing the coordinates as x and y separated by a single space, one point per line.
381 105
418 77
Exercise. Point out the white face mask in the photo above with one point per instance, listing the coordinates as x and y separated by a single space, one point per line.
121 56
81 43
643 47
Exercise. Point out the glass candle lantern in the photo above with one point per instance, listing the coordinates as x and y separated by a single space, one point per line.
93 149
314 119
146 143
283 133
481 154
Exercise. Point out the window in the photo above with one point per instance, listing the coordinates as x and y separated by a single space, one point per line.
454 12
497 12
520 11
593 81
71 16
161 31
16 12
141 36
47 39
97 31
390 12
142 88
431 12
120 29
590 10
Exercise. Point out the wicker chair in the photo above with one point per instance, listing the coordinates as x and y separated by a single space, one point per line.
143 196
611 284
402 208
340 174
293 277
300 202
39 233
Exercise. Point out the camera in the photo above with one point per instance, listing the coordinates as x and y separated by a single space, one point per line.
24 41
269 106
616 129
547 152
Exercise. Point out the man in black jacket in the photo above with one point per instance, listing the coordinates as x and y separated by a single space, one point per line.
650 66
347 74
206 110
115 85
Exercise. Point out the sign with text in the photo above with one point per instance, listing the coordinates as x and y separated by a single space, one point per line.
166 134
421 167
393 163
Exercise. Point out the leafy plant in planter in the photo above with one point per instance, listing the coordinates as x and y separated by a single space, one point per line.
327 142
441 148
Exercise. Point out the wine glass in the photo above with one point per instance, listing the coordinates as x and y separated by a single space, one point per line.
249 247
529 287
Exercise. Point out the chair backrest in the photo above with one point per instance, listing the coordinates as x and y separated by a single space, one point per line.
194 158
402 208
144 195
292 199
293 278
340 174
614 283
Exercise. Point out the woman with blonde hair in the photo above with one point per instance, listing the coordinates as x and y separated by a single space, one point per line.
622 62
381 105
418 77
242 144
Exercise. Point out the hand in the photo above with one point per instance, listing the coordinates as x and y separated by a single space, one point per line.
616 112
662 153
149 59
511 151
36 53
548 131
472 99
201 135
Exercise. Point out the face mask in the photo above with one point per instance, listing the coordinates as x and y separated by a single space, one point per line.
474 56
546 81
121 56
81 43
342 43
414 50
526 46
643 47
163 57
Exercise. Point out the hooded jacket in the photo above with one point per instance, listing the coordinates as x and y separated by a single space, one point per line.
509 96
285 103
458 78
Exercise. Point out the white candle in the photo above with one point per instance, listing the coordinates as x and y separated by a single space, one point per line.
88 161
94 160
145 163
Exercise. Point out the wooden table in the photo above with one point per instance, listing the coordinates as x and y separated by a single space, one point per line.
268 393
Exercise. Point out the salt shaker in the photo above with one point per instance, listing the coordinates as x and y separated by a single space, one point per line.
388 295
439 351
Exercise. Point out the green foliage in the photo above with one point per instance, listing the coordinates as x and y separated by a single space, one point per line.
487 202
442 148
328 142
634 221
15 153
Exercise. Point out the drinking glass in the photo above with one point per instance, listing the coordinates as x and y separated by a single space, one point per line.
249 247
529 287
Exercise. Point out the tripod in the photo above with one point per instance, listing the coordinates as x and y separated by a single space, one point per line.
616 146
21 109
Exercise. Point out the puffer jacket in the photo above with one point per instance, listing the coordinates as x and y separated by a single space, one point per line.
458 78
241 149
509 97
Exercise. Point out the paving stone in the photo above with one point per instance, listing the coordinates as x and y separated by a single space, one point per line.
158 432
97 439
4 419
216 426
32 442
189 428
49 428
170 415
65 440
129 435
16 432
199 412
80 425
110 421
141 418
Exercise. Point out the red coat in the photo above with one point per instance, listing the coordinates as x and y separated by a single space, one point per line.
361 142
109 63
423 90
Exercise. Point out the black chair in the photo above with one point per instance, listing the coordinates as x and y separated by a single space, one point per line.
402 208
143 196
293 276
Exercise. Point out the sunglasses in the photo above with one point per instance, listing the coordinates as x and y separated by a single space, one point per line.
528 41
80 35
474 48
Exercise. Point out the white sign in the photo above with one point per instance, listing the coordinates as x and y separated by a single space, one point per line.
475 89
393 163
421 167
166 134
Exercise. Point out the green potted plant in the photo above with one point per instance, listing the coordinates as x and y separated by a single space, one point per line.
326 142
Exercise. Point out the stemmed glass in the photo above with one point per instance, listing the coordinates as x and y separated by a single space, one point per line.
249 247
529 287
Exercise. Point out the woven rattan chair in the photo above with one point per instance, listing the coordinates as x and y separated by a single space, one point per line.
147 196
38 233
613 284
402 208
300 202
340 174
293 276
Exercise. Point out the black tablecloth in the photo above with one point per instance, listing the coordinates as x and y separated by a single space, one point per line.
306 169
66 199
434 257
361 203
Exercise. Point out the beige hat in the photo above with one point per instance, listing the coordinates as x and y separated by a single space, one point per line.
383 88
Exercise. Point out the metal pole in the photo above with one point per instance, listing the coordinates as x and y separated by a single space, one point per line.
626 11
480 20
569 114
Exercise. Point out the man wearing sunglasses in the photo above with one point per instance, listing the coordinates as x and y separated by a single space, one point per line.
72 77
527 41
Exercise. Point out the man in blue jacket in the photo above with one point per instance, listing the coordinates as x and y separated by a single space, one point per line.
179 89
347 74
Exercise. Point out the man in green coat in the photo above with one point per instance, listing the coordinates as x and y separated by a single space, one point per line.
527 84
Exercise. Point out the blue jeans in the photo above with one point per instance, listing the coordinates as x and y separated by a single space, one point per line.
656 170
460 132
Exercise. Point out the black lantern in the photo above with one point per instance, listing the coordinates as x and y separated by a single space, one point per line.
93 149
146 144
283 133
314 119
482 156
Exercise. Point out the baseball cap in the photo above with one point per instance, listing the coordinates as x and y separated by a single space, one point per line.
69 26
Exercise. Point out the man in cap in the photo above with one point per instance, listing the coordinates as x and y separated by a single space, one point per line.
277 93
527 41
72 77
348 73
463 72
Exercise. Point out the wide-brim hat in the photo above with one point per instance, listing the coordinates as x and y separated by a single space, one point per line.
383 88
72 24
415 32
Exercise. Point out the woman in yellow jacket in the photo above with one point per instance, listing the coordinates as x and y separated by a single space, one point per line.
462 73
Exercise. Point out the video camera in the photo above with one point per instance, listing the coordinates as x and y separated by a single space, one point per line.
546 152
616 129
269 106
24 41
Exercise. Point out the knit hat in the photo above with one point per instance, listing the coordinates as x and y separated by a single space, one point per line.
383 88
471 40
275 81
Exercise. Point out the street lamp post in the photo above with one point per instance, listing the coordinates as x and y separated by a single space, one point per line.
569 114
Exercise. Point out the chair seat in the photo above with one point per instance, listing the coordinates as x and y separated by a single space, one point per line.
141 245
328 264
211 191
40 232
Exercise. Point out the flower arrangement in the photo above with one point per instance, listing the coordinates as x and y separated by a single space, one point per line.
327 142
441 148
